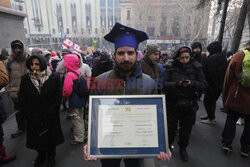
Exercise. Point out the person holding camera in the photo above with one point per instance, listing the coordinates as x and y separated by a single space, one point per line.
183 78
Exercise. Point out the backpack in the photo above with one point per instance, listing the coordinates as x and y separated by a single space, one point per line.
245 76
80 86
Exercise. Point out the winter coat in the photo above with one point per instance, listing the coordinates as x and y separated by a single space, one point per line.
153 70
240 102
215 68
201 58
16 67
101 67
176 72
4 79
116 85
42 112
71 63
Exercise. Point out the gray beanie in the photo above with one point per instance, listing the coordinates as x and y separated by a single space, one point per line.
152 48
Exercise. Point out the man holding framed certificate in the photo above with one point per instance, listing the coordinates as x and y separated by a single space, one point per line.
126 79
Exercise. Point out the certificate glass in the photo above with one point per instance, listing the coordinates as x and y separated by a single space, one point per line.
127 126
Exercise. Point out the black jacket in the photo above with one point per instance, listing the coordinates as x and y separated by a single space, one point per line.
216 66
200 58
101 67
42 112
176 72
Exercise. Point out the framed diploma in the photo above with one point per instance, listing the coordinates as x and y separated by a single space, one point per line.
127 126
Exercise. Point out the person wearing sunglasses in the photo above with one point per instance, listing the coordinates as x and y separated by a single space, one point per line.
182 78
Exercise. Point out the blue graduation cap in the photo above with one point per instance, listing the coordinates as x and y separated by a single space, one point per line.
122 35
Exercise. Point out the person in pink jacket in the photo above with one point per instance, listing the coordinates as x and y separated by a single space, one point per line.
76 103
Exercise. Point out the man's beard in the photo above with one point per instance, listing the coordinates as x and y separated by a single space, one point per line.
18 54
126 67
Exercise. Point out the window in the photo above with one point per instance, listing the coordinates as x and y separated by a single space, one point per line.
176 27
102 4
73 15
128 14
110 4
88 14
82 30
151 18
67 30
20 8
151 31
53 30
117 4
59 16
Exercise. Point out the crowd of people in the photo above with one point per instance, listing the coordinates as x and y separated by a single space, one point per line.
42 83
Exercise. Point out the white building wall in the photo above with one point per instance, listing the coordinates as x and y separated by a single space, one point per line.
47 11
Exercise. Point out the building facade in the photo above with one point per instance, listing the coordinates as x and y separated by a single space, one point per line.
169 23
83 21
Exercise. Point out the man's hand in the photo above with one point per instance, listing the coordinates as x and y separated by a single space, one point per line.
85 155
164 157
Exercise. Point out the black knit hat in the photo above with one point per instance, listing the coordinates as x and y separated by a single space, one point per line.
16 43
196 45
42 61
183 49
214 47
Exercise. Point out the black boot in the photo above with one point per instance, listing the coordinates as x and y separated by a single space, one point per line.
51 162
40 159
51 157
183 154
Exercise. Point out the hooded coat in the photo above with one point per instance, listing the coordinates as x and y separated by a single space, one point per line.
216 66
198 56
239 102
42 109
16 67
83 68
71 63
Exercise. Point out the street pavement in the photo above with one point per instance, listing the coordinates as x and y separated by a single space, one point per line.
204 149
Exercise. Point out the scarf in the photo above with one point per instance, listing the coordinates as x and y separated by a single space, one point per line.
39 78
